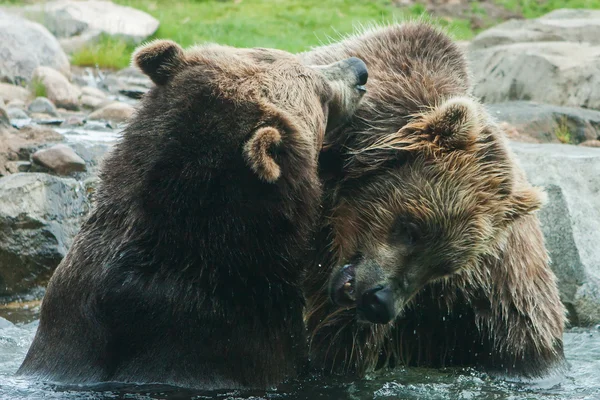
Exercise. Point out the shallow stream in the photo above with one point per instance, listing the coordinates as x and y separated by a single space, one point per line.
581 381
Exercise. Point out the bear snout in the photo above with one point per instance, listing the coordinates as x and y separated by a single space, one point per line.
376 305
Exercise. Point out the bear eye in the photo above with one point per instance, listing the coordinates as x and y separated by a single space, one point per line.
406 232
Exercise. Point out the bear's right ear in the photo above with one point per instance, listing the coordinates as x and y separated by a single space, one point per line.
258 152
159 59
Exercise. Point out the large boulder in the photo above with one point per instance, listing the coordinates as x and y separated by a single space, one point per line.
570 220
564 25
560 73
26 45
77 23
548 123
37 230
552 59
58 88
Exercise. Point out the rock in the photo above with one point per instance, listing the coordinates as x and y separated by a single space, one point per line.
16 113
43 105
58 89
114 112
27 45
92 154
73 122
77 23
552 59
129 82
14 167
93 92
19 145
37 230
16 104
559 73
547 123
558 26
92 102
10 93
60 159
590 143
571 177
39 134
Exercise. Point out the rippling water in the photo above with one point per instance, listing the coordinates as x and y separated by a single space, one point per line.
582 381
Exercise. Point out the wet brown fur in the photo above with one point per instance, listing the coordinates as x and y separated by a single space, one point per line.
419 146
186 272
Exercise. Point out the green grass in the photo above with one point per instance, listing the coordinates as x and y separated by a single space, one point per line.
108 52
292 25
38 88
562 132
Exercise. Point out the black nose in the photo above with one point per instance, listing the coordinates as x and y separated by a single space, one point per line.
377 305
360 69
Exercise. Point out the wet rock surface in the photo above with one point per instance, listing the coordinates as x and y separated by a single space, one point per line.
37 230
60 159
546 123
571 177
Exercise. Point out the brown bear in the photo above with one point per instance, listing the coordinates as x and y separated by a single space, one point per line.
430 252
186 272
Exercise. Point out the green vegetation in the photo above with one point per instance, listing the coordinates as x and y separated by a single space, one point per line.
38 88
293 25
562 132
108 52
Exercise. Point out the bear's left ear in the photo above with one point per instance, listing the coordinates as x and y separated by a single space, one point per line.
455 123
159 59
258 152
525 202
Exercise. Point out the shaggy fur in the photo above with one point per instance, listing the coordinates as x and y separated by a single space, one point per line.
422 194
186 272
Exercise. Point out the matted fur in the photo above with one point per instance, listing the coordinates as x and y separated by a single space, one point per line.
420 146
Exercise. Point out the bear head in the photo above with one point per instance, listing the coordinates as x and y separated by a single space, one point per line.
420 205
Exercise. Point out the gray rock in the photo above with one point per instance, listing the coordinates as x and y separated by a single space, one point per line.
16 113
60 159
77 23
58 88
129 82
558 26
16 103
43 105
93 92
549 123
552 59
37 230
11 93
560 73
14 167
570 220
114 112
25 46
92 102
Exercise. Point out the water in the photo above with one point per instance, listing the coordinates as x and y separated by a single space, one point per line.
580 382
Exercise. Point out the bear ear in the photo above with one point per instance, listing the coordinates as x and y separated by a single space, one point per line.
159 59
258 152
453 124
525 202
